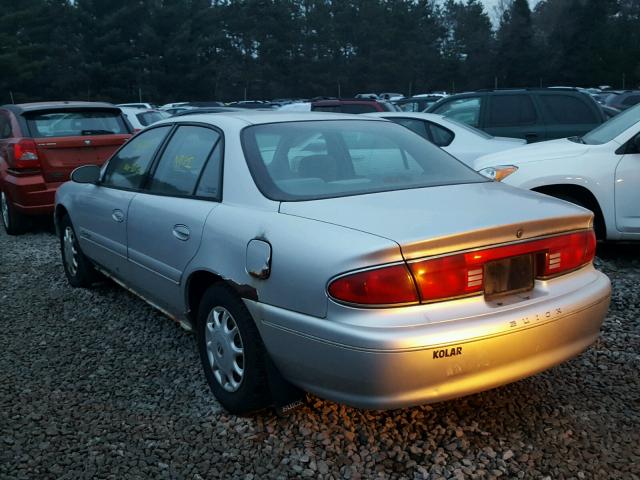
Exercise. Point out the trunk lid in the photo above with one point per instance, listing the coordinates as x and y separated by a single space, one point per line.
59 156
437 220
67 138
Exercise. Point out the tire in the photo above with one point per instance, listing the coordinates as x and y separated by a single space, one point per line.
234 364
13 221
77 267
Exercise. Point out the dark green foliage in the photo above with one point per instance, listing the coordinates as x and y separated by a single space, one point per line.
172 50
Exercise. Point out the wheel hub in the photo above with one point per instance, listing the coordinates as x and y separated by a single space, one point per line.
225 350
70 252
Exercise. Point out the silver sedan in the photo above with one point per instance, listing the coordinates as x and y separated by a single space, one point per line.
343 255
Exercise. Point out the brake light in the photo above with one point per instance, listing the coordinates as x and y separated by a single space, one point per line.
25 155
461 274
391 285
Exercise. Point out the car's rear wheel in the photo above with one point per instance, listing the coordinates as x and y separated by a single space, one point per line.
231 352
77 267
13 221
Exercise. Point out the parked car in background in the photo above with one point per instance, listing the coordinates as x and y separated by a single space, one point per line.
459 139
41 143
357 105
599 171
418 103
344 105
167 106
200 111
175 110
373 269
141 105
367 96
390 96
609 111
623 100
140 118
535 114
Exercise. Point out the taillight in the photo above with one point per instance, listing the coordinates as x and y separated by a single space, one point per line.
25 155
392 285
461 274
566 253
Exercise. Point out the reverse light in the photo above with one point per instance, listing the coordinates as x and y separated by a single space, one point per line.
460 274
25 155
498 173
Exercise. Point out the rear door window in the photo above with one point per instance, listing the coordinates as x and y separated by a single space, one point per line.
182 161
128 168
76 123
511 110
567 110
465 110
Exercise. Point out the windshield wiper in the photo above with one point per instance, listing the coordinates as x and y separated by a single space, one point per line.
576 139
97 132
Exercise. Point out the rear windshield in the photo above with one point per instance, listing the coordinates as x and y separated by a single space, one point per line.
323 159
75 123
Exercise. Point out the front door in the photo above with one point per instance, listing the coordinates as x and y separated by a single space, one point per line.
167 218
627 191
103 209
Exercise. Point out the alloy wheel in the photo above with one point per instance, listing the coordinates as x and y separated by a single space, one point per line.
4 206
225 350
70 251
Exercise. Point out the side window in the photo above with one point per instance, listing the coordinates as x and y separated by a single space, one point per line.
128 168
357 108
566 110
510 111
182 161
210 185
465 110
441 136
417 126
5 125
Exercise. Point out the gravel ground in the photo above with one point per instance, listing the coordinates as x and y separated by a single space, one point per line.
96 384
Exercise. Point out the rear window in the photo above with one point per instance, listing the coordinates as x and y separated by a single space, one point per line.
333 158
75 123
567 110
511 110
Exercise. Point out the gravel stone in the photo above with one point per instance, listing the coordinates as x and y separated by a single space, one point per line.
96 384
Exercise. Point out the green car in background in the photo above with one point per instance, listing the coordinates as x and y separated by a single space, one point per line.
535 114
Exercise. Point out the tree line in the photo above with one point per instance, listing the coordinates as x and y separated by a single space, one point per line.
172 50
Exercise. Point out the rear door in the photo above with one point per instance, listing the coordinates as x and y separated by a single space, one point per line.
101 211
67 139
166 219
568 115
514 115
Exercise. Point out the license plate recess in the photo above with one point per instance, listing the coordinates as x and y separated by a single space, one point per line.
508 275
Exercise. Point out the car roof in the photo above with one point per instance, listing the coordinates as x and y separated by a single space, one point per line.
257 117
60 105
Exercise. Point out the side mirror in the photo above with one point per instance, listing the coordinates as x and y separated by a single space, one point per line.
86 174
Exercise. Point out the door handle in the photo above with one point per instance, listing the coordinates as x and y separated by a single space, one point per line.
117 215
181 232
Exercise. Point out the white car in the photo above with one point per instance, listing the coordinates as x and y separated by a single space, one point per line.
140 118
599 171
460 140
135 105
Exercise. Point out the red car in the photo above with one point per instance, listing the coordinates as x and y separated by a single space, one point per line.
41 143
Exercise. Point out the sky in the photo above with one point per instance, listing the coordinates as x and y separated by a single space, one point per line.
491 4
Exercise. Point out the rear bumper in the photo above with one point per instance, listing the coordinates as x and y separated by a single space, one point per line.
30 194
434 358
